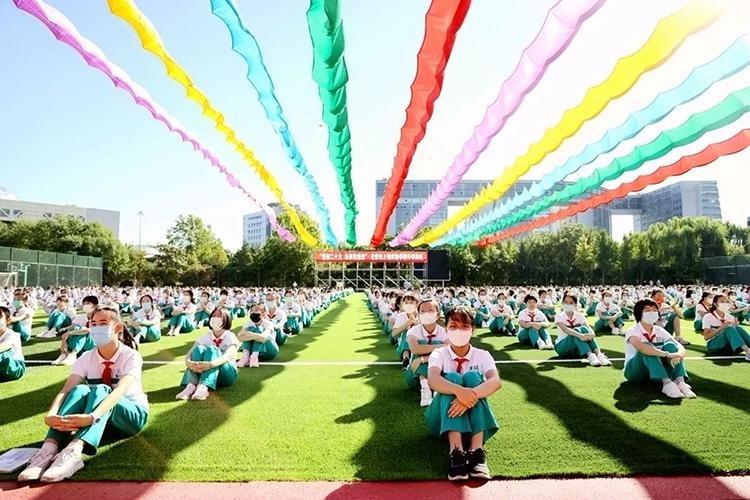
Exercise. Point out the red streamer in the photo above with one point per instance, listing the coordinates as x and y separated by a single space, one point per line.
710 154
443 20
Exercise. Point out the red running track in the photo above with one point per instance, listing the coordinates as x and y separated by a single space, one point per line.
666 488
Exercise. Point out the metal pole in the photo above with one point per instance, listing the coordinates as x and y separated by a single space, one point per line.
140 226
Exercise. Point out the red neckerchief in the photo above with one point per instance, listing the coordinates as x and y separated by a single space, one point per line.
571 321
271 315
649 336
717 317
429 336
460 364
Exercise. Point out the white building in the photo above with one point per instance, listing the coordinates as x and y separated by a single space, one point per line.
256 229
12 209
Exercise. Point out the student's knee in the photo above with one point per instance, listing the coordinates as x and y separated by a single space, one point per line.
98 390
454 377
670 347
79 391
472 379
198 352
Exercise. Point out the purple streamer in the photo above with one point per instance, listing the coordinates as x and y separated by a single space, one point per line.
562 23
64 30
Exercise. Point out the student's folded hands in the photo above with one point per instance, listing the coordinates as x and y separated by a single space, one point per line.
457 409
68 423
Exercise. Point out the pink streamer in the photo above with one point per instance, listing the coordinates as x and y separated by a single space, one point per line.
563 21
65 31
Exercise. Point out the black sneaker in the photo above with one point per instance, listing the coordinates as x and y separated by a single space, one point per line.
501 331
477 460
458 470
404 363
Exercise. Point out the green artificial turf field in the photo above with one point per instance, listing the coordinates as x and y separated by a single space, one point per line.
342 421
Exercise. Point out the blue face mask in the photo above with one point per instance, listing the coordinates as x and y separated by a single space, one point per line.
101 335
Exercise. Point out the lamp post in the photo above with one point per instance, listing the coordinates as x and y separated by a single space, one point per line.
140 226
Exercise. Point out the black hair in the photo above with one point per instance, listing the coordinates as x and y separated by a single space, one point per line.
90 299
62 298
704 295
461 315
715 302
575 299
5 312
641 305
689 293
224 292
189 292
225 317
147 296
528 298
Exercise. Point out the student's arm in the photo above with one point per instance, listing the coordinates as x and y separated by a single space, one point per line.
421 349
398 330
75 422
230 354
570 331
6 346
53 419
490 386
464 395
246 336
648 349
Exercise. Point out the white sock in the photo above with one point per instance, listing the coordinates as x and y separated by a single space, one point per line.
254 355
665 381
50 446
424 384
679 380
76 446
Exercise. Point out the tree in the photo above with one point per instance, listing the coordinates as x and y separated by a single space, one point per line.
586 258
192 253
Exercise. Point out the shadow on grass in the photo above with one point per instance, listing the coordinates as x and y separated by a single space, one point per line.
148 456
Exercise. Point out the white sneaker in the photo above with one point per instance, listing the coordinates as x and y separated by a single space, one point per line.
593 360
245 361
540 344
201 393
186 392
616 331
66 463
49 334
686 390
59 359
549 344
37 465
747 356
672 391
254 361
604 360
70 359
426 399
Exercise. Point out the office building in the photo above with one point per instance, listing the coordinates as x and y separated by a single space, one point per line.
12 209
256 228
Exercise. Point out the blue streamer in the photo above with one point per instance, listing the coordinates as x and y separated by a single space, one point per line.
245 44
730 62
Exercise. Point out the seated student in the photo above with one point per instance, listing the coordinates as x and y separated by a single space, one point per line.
669 316
59 318
203 310
463 377
533 325
293 312
258 338
240 305
688 304
651 353
23 315
422 340
166 304
125 306
102 395
702 308
576 338
76 340
722 332
210 363
546 305
277 317
591 303
626 305
307 309
145 324
738 309
405 318
225 302
609 316
482 316
12 364
502 317
182 316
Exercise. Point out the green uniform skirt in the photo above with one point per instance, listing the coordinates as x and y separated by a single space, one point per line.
729 341
79 343
183 322
22 330
57 320
221 376
266 350
11 368
641 368
573 348
499 324
476 420
602 325
530 336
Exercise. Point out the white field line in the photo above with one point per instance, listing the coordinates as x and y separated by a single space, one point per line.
397 363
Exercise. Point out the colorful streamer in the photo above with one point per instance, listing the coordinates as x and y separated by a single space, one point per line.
245 44
65 31
151 42
329 72
727 111
444 19
735 144
668 35
730 62
562 23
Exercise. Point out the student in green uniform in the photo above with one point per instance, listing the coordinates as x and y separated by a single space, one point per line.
482 316
22 316
258 338
609 316
76 339
502 317
701 309
688 305
203 310
12 364
210 363
145 324
463 377
652 354
722 331
102 395
422 340
533 325
59 317
576 338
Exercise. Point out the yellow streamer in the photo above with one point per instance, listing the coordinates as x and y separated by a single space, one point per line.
668 35
151 42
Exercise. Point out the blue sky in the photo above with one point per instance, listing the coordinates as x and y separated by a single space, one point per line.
69 136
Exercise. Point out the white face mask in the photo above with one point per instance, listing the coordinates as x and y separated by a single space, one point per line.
409 308
607 300
270 304
215 323
459 338
87 308
428 318
569 307
289 300
724 307
101 335
650 317
147 306
3 324
501 302
186 299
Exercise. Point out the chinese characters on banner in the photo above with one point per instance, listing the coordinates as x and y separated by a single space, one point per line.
371 256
